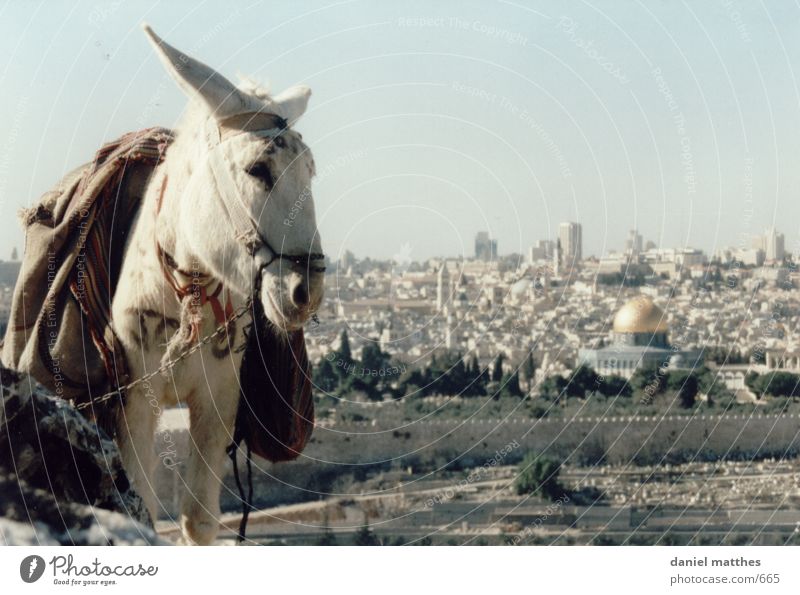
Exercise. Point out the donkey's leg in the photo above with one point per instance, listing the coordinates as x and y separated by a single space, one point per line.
212 414
136 428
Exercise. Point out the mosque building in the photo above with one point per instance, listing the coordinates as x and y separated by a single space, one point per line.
639 338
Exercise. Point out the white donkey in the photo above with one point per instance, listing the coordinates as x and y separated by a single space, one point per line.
230 210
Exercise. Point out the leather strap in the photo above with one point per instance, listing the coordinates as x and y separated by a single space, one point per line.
197 288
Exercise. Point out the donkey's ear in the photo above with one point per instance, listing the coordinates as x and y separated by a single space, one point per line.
200 81
292 103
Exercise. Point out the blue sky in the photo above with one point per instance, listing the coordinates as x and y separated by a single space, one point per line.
431 121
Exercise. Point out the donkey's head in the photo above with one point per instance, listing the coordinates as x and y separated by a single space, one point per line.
245 205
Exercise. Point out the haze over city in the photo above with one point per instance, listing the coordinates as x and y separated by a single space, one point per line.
427 127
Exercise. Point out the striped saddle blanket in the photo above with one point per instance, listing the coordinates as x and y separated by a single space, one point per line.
59 330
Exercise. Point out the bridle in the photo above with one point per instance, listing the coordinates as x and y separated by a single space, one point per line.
299 260
263 125
245 227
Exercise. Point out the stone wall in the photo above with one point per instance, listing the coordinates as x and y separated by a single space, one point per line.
585 440
342 453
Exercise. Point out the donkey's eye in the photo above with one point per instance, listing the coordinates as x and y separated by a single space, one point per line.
261 171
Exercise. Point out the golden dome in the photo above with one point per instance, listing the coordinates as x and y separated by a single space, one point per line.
640 315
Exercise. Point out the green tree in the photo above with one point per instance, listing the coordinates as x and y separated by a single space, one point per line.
424 541
478 377
365 536
510 384
685 383
459 376
435 374
352 383
325 376
372 358
327 537
723 355
411 384
649 379
750 381
777 384
497 371
538 474
474 367
552 387
372 371
529 370
582 380
344 352
613 386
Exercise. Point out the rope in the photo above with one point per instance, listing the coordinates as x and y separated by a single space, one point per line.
247 503
223 328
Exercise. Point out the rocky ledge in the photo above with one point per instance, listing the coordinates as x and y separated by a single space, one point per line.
61 477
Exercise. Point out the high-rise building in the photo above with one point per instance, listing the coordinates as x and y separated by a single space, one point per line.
570 237
773 245
633 245
485 247
541 251
444 287
347 260
557 259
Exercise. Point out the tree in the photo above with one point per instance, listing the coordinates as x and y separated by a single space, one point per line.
327 537
648 378
538 474
478 378
497 372
510 385
459 377
686 385
372 358
411 384
613 386
325 377
373 371
474 367
552 387
365 536
722 355
529 368
750 381
352 383
777 384
424 541
582 380
344 352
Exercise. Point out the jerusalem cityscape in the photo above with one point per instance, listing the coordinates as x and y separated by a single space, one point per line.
658 388
516 281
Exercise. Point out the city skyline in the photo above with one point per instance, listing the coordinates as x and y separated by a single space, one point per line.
771 244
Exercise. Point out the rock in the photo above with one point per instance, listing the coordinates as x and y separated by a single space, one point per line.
61 477
31 516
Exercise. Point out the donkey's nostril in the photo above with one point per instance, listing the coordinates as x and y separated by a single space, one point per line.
300 295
